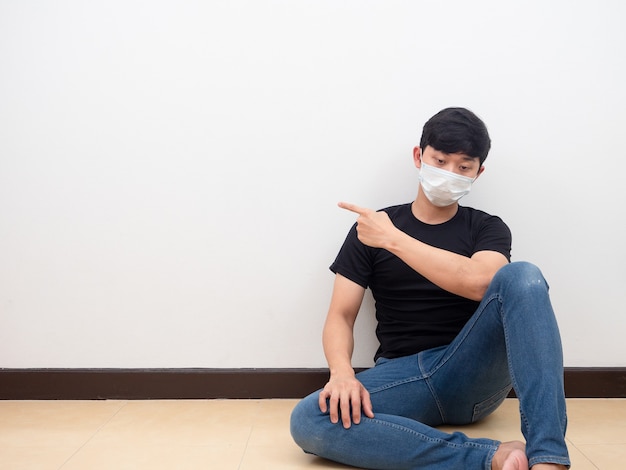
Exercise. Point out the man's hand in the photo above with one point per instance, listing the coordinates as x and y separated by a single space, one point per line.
346 397
374 228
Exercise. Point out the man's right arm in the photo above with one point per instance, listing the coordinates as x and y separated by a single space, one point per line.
343 392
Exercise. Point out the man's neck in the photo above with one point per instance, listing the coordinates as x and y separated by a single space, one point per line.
426 212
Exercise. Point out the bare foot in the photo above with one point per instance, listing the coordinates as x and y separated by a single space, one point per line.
510 456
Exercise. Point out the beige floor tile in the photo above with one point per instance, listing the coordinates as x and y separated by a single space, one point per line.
579 460
285 457
33 458
180 422
237 435
605 456
53 423
597 421
270 409
170 457
271 426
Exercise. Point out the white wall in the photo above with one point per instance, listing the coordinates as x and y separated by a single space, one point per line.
169 169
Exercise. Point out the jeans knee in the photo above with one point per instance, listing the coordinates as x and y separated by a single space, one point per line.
302 423
522 275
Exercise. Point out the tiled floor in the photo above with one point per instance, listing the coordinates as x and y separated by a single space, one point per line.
236 435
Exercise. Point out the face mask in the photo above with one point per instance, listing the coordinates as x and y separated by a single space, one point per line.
443 187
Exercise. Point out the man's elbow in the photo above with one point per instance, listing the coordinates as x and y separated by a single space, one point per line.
478 289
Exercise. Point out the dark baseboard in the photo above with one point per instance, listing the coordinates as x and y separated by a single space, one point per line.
144 384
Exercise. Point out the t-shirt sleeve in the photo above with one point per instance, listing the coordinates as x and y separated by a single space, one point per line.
354 260
494 235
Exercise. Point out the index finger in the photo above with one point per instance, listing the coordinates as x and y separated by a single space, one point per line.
354 208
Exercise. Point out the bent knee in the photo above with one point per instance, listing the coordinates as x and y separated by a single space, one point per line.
522 274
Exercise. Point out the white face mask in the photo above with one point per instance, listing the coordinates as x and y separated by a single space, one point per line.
443 187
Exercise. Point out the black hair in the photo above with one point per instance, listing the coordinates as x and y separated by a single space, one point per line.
457 130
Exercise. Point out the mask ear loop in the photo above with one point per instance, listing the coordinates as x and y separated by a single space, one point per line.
477 174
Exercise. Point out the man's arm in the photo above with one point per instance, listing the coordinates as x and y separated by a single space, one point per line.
467 277
343 391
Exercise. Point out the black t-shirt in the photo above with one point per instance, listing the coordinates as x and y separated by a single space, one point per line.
413 313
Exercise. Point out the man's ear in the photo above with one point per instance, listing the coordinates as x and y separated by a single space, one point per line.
417 154
480 171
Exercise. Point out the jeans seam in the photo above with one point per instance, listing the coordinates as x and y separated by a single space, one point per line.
490 457
554 459
449 354
509 361
478 412
426 438
395 384
433 393
477 314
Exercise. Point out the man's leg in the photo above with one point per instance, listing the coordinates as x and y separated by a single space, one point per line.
399 436
512 334
458 384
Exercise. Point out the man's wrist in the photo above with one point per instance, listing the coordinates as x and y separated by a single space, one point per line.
342 371
395 240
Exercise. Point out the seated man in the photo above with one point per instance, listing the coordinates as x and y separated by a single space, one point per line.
458 325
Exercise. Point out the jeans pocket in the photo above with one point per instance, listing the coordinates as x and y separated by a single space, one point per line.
488 406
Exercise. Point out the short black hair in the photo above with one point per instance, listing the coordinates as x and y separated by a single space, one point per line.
457 130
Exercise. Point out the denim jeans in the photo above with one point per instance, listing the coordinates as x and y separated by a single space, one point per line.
512 340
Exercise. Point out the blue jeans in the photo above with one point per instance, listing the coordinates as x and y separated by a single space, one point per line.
512 340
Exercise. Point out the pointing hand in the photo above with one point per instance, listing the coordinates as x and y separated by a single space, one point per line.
374 228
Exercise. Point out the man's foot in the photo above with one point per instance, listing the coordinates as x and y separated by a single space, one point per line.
510 456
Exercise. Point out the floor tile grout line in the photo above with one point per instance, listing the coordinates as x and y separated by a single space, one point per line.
582 453
245 448
95 433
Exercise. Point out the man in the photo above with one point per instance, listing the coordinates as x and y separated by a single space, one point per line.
458 325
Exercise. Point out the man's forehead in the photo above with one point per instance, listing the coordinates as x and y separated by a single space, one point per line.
462 155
